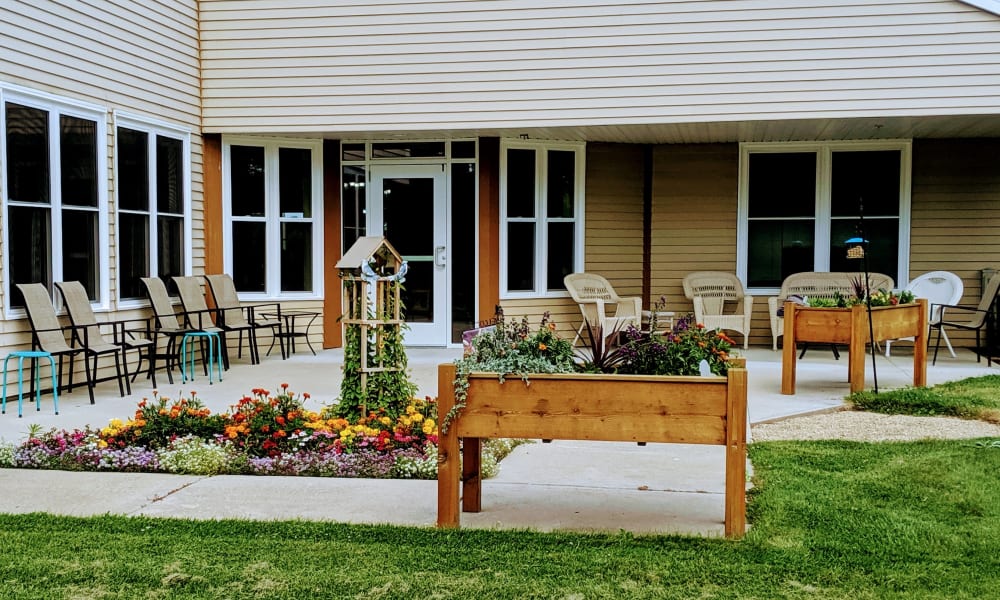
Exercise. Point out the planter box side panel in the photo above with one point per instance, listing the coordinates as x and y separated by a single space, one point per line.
689 411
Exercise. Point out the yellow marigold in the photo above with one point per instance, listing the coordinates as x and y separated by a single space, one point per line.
385 421
430 428
417 417
116 423
405 421
411 409
346 434
102 444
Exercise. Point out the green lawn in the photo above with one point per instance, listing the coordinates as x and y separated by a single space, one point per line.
974 398
830 520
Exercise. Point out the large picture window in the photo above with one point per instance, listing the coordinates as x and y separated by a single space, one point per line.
152 191
55 205
541 215
273 202
799 203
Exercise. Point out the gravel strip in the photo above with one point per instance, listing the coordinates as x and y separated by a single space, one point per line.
863 426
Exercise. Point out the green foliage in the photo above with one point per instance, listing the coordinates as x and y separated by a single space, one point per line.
156 423
389 390
195 456
974 398
510 348
880 297
679 352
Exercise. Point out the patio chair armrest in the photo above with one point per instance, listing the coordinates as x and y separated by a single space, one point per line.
199 322
268 308
747 305
125 330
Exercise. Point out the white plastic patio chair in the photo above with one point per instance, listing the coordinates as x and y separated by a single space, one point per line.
601 306
939 288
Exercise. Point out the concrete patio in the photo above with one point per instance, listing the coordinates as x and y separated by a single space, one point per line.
565 485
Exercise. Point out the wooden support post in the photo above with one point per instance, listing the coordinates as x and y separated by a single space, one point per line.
472 476
920 347
449 469
856 349
736 453
788 354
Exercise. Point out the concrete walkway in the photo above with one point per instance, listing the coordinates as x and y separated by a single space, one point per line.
564 485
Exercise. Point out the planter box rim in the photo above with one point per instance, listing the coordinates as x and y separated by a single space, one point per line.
602 377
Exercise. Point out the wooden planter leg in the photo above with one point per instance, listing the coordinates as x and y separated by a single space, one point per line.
449 469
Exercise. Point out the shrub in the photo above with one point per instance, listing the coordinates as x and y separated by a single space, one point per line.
158 422
679 352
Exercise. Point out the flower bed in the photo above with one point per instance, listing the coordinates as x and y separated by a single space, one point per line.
259 435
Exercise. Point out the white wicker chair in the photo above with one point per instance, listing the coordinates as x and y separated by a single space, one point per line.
600 305
813 284
720 302
939 287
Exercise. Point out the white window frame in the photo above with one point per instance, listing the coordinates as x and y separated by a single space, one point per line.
56 106
272 218
153 128
823 221
541 148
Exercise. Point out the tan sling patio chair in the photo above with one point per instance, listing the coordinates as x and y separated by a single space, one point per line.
47 334
88 335
197 315
166 329
234 317
970 318
601 306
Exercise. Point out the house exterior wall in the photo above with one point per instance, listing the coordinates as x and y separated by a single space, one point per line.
956 213
613 233
138 58
308 65
955 216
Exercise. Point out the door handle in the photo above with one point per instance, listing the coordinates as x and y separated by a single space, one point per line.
440 256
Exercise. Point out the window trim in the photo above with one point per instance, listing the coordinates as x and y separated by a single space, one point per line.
152 128
824 154
541 147
56 106
273 220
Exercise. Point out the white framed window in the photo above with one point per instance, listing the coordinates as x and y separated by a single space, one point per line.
153 201
799 203
273 205
541 216
55 200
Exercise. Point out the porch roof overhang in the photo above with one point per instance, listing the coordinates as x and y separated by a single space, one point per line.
815 129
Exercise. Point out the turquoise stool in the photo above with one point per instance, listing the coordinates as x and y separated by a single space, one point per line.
32 354
214 354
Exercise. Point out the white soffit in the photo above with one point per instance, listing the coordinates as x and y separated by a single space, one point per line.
992 6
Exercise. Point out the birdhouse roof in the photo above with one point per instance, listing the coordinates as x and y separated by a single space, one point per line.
364 249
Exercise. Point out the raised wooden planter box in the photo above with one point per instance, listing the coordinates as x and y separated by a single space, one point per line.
850 326
639 408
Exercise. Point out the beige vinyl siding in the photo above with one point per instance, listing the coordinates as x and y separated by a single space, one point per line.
956 213
308 65
613 222
694 216
140 58
613 238
562 311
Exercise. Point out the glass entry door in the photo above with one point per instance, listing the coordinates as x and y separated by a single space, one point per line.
408 205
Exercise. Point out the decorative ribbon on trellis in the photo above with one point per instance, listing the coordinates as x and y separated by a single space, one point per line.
369 275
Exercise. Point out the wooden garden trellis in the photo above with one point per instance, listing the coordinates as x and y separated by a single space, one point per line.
371 272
